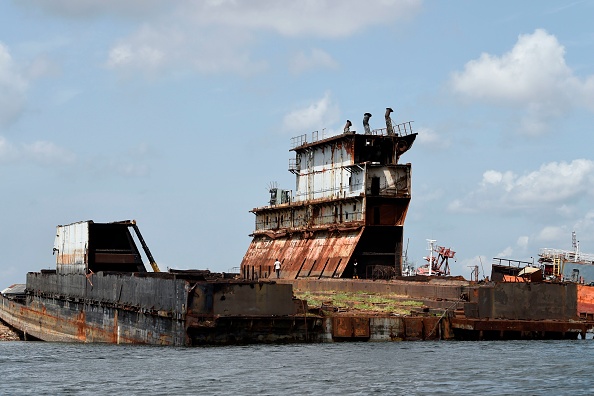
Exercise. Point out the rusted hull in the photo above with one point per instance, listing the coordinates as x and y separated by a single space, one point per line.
585 302
68 321
75 322
389 328
240 330
324 255
524 301
174 309
160 309
502 329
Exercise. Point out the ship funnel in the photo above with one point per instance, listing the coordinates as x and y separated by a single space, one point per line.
347 126
389 127
366 118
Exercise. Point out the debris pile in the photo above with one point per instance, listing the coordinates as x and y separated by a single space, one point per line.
6 334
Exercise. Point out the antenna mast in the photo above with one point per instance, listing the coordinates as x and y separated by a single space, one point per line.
431 242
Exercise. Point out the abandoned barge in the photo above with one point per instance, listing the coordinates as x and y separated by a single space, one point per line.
343 226
341 231
101 291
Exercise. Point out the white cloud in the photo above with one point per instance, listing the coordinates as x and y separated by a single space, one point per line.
316 59
41 67
127 168
553 185
585 225
532 77
552 234
523 241
39 152
8 152
507 252
65 95
505 180
459 206
554 182
430 138
320 18
533 68
85 9
47 153
143 56
314 116
152 50
13 88
220 35
146 49
310 18
134 162
466 266
215 36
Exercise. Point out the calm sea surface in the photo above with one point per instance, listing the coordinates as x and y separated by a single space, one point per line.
399 368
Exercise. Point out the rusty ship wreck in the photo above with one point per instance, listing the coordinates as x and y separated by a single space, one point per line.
349 206
101 291
339 232
342 229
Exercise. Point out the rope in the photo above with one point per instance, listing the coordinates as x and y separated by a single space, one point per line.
442 316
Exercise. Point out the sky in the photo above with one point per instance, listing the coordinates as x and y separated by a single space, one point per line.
180 115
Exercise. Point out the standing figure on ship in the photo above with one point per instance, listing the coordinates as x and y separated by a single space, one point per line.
277 266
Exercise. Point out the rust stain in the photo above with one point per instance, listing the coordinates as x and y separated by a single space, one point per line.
585 301
81 326
64 328
350 327
325 255
114 335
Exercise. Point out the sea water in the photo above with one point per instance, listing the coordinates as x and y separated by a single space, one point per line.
395 368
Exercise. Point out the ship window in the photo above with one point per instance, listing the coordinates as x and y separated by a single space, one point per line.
375 185
354 207
346 215
316 212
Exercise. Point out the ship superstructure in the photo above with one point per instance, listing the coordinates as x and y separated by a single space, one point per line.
568 265
349 205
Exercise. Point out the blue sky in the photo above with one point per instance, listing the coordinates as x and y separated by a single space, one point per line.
180 115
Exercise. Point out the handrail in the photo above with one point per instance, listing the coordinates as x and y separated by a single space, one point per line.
509 262
566 255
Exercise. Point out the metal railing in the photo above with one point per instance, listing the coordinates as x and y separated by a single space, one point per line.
516 263
297 141
402 129
566 255
303 221
300 140
294 165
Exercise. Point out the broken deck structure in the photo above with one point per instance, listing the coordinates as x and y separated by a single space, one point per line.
349 205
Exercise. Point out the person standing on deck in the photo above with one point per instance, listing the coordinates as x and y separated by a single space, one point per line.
277 265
